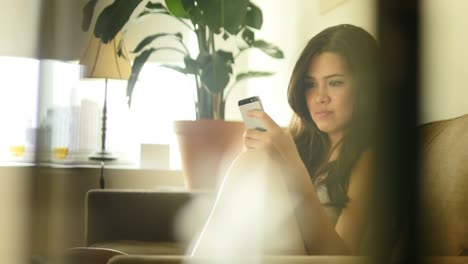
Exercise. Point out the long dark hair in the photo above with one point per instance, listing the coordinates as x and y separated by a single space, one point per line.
359 49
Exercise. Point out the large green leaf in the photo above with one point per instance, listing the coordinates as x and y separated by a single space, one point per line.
193 11
203 59
248 36
227 14
269 49
138 63
190 65
154 8
215 74
254 16
88 12
113 18
252 74
177 9
146 41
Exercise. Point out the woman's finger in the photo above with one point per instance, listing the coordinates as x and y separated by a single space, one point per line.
254 134
264 118
253 143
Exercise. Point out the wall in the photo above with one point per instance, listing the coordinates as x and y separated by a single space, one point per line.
19 18
42 29
444 59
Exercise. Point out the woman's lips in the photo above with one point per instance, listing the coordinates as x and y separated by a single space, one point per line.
322 114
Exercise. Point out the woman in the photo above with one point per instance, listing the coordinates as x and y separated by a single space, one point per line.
324 161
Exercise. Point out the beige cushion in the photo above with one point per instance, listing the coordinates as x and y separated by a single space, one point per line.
444 188
243 260
80 255
273 260
142 247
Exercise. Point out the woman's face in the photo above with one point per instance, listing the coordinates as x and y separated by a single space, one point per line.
329 93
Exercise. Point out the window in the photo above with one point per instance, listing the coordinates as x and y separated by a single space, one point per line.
67 122
18 106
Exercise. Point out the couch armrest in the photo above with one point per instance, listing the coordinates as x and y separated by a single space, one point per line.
139 259
79 255
132 215
276 260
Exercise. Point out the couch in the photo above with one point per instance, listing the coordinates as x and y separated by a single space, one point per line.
135 226
444 186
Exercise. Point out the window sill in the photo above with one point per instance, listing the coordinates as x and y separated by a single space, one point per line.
86 177
82 165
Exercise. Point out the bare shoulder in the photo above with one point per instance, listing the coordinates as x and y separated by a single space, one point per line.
368 155
364 165
362 174
353 219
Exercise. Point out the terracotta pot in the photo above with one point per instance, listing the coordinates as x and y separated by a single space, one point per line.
207 149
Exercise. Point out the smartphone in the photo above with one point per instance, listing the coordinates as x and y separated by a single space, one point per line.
247 104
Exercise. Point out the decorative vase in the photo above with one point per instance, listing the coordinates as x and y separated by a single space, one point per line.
207 148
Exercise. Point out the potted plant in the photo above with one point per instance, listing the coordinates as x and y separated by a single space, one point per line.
211 21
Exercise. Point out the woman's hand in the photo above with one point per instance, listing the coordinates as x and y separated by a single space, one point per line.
276 140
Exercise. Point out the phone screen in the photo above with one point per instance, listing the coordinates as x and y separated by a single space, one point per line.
247 104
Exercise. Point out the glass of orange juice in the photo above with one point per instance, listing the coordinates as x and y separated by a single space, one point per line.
17 150
60 152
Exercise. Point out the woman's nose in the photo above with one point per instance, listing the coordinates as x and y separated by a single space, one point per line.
322 96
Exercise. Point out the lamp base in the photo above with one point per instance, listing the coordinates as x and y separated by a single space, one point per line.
102 156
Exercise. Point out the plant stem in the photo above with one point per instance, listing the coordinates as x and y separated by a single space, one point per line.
216 98
197 111
216 105
201 36
212 41
201 49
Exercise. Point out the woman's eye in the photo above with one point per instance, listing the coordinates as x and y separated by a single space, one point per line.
335 83
308 84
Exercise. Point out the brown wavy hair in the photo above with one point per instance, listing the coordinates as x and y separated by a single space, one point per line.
360 50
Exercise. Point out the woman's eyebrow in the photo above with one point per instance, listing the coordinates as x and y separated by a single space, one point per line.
308 77
334 75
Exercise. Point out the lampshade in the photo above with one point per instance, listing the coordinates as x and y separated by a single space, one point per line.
102 60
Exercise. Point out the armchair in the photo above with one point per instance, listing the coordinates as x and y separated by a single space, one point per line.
138 221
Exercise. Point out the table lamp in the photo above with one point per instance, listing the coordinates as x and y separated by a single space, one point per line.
101 60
